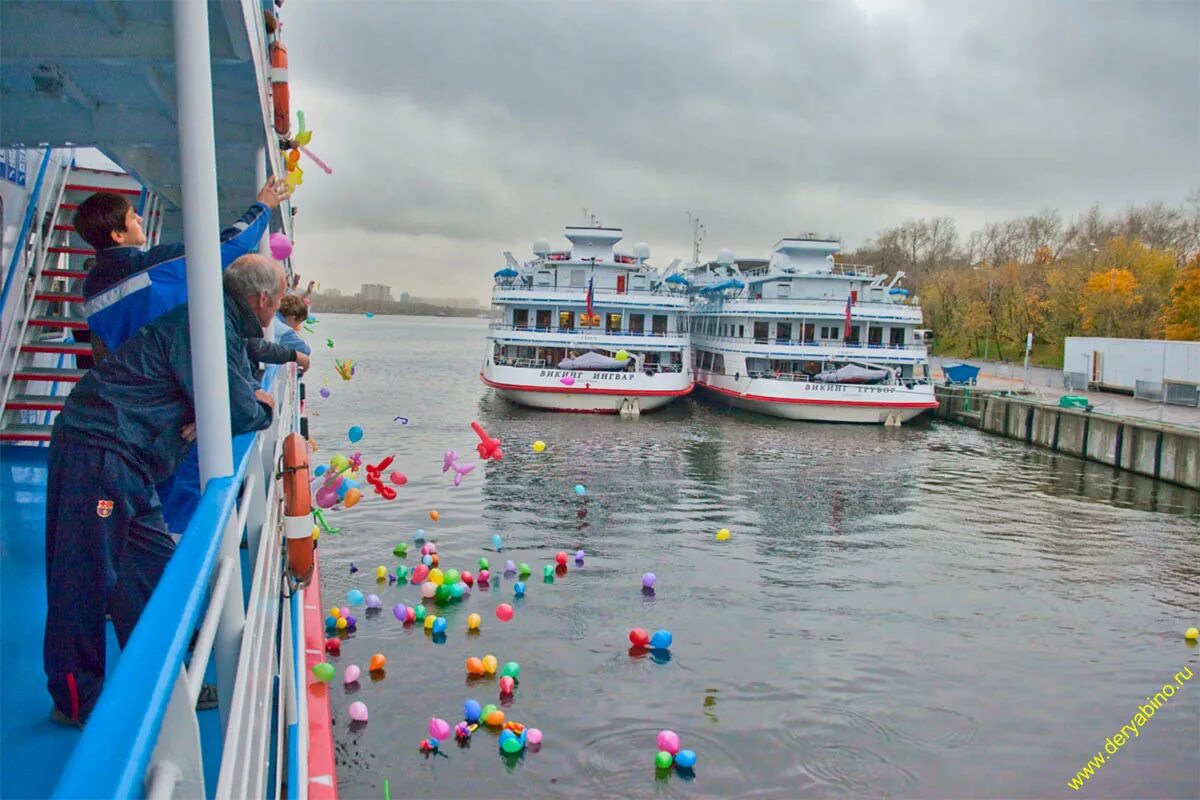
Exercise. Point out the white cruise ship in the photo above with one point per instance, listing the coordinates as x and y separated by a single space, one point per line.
589 329
802 337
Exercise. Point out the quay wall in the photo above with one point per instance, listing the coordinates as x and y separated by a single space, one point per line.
1157 450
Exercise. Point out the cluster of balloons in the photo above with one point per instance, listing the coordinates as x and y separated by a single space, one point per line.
661 640
340 619
514 736
336 483
669 753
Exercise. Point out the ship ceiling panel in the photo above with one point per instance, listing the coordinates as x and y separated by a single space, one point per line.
102 74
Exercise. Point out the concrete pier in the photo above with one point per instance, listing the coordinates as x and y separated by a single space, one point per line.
1159 450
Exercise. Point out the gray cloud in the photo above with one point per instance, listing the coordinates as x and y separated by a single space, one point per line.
458 130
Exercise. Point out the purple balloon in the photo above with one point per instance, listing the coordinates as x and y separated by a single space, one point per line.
324 392
400 611
373 601
648 580
579 554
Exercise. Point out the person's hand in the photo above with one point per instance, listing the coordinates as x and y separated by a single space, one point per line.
274 192
311 285
302 360
295 279
188 432
265 399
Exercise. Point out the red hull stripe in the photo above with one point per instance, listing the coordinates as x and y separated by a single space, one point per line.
515 387
808 402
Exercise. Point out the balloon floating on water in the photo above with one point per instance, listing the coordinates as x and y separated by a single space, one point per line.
685 759
519 589
323 671
1191 634
504 612
579 554
378 662
497 542
370 314
324 392
663 759
539 446
439 728
355 433
352 674
472 710
473 622
638 637
358 711
648 580
669 741
560 558
661 640
722 534
580 489
354 597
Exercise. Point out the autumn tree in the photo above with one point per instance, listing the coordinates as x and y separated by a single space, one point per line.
1181 318
1109 303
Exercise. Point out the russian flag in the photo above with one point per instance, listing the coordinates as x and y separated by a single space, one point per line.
849 302
591 293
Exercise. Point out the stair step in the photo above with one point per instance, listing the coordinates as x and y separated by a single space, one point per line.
59 322
72 251
49 374
60 297
70 348
65 273
26 433
36 402
69 206
83 187
61 227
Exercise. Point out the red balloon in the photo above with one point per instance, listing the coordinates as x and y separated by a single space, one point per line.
420 573
639 638
467 578
398 478
561 558
504 612
333 646
506 685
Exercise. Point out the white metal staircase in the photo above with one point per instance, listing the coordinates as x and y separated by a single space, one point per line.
39 352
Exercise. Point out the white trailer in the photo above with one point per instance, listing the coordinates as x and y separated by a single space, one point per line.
1150 368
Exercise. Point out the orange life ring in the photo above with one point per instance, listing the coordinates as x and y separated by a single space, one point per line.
297 507
279 88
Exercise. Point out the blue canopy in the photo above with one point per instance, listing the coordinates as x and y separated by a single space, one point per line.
898 291
732 283
677 278
507 272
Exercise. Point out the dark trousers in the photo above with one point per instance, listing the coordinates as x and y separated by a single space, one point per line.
106 547
180 493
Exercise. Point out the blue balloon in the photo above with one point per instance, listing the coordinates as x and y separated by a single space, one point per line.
506 734
457 590
685 759
427 560
661 640
496 541
354 597
439 625
579 490
320 470
355 433
331 622
419 536
472 710
519 588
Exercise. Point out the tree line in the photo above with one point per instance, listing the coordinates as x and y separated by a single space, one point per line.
1134 274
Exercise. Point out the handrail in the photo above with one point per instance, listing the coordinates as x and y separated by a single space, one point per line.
827 345
19 245
133 704
504 326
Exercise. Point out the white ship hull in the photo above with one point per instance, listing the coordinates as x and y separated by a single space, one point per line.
821 402
594 392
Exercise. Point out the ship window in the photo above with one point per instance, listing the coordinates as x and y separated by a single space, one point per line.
706 360
829 333
659 323
809 331
741 331
853 337
897 336
614 322
874 334
637 323
543 318
566 320
783 331
718 365
578 278
761 332
520 317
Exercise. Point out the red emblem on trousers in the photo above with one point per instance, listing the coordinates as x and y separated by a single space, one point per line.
104 508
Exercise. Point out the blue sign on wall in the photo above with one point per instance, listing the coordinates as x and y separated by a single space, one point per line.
12 165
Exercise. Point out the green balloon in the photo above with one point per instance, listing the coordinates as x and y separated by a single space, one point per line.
511 669
663 759
402 572
548 571
451 577
523 570
400 550
323 671
420 612
512 745
484 564
487 711
442 593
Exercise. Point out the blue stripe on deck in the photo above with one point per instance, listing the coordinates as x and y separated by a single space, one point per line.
33 749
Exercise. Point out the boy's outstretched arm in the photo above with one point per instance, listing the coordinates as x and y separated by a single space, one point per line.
244 235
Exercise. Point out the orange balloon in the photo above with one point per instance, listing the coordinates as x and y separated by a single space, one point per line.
433 515
474 666
377 662
352 497
433 558
495 719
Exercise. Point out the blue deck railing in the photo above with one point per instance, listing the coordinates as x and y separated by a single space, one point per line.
114 752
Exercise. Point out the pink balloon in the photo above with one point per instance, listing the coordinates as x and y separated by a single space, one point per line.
281 246
432 548
439 728
429 589
533 736
504 612
506 685
326 498
425 550
358 712
484 576
352 673
398 478
567 380
669 741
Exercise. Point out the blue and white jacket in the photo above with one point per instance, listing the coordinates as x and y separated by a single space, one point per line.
129 287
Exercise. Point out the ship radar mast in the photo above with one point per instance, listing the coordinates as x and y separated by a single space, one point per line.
697 236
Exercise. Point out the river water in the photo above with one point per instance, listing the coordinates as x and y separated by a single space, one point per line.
918 612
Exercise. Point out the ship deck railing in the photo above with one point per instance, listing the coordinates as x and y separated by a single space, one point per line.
540 363
144 736
802 377
831 345
504 326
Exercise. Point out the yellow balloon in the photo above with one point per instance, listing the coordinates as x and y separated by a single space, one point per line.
381 573
722 534
295 177
473 621
539 446
489 664
316 533
303 138
341 623
1191 634
622 355
335 612
429 620
338 462
436 576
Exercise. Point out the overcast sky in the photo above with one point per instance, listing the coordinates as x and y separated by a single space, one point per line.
459 130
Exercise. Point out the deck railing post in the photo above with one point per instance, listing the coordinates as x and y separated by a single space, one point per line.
201 235
233 620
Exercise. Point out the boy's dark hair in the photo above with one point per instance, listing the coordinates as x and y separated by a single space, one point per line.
293 308
100 215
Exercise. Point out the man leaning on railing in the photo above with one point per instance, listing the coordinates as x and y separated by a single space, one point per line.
124 428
